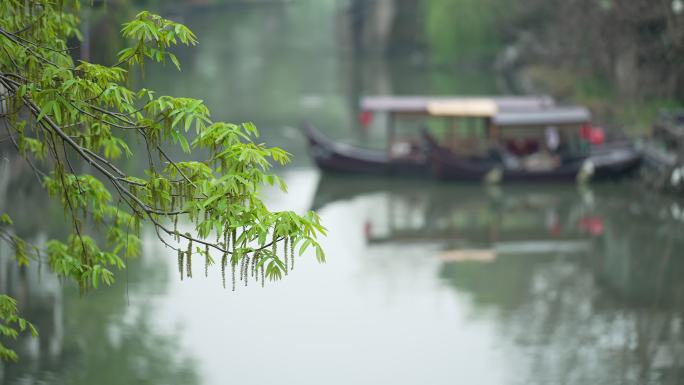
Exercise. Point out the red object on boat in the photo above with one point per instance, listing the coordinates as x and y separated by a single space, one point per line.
366 118
597 136
594 135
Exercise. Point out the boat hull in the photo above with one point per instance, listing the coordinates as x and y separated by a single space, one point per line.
610 161
342 158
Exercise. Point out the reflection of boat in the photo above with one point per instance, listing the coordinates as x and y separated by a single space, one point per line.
537 259
526 219
536 247
461 255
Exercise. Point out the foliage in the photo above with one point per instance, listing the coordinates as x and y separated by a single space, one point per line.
11 325
457 28
60 114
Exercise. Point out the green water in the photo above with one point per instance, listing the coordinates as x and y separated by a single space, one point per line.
426 282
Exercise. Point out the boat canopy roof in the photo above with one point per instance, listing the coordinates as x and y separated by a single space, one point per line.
481 106
543 117
465 108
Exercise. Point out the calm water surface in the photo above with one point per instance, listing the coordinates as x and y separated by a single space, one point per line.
426 282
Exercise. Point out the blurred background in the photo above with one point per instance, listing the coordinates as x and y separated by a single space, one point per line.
571 285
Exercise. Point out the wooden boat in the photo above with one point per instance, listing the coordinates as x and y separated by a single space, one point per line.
578 159
405 156
340 157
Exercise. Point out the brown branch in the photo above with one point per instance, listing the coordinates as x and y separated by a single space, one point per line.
60 51
28 48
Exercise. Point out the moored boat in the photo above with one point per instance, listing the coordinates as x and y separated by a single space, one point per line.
482 138
558 143
341 157
405 156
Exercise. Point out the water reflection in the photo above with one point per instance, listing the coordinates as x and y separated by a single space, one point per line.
581 286
425 282
104 337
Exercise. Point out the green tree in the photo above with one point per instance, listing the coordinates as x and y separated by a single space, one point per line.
58 113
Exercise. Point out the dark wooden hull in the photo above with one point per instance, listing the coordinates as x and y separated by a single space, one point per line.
610 161
343 158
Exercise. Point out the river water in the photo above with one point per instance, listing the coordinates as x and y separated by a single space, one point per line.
425 282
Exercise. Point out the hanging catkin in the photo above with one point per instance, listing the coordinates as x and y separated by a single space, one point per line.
292 258
254 263
233 262
246 269
175 225
263 276
224 261
180 263
285 249
226 240
206 260
232 269
189 259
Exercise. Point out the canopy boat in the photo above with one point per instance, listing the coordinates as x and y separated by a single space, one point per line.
555 143
341 157
405 155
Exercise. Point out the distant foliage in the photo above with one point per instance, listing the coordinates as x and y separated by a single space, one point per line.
58 113
463 28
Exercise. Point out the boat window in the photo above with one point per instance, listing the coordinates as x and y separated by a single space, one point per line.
403 136
552 138
465 135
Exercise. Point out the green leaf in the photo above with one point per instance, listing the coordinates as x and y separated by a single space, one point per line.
45 110
174 60
320 256
5 219
304 246
57 112
184 143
